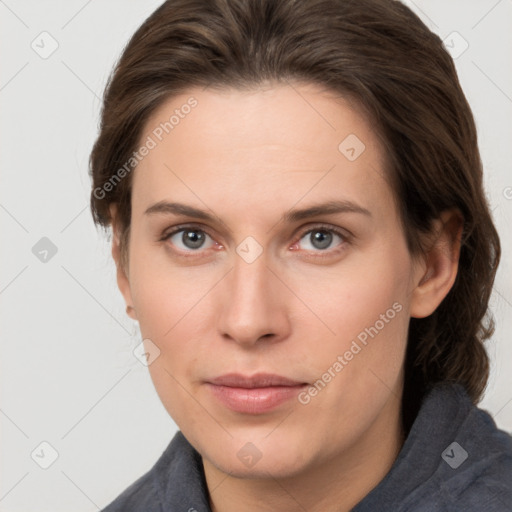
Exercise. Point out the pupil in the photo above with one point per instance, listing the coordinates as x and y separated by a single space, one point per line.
321 239
193 239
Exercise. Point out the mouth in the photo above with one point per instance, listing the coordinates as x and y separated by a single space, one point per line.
256 394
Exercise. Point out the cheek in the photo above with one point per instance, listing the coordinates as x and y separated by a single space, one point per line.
163 293
171 321
173 308
358 370
353 298
366 311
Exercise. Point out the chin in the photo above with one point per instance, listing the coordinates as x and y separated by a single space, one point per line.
259 458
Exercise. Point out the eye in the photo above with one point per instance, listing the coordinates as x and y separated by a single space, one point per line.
321 239
189 239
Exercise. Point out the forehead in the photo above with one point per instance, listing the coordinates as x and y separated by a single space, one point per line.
279 142
304 116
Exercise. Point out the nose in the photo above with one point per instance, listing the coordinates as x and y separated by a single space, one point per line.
254 305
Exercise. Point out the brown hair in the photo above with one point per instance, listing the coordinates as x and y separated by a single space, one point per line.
376 51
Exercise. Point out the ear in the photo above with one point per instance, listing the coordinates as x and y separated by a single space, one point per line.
440 264
123 281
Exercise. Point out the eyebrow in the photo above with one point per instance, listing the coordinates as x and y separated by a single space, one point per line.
327 208
180 209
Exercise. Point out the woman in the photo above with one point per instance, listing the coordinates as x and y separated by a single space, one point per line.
300 229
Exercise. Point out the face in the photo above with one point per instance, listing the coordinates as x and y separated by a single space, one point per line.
268 267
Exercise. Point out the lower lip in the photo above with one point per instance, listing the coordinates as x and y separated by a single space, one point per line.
254 400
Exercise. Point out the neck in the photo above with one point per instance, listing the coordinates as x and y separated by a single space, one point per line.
336 484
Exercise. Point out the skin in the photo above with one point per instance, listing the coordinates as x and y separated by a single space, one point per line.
248 157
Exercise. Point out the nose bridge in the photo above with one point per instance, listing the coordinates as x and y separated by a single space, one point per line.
249 279
250 306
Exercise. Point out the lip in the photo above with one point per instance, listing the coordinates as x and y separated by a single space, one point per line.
254 394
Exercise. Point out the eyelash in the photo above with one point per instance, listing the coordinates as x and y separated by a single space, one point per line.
345 236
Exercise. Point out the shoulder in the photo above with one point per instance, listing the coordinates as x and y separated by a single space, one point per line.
475 468
483 480
142 495
176 480
454 459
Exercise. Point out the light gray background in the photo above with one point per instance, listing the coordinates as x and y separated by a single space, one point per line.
68 375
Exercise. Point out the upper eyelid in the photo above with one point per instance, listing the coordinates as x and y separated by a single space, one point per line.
326 227
182 227
301 232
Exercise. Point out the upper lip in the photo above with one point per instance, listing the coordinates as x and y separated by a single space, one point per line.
259 380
